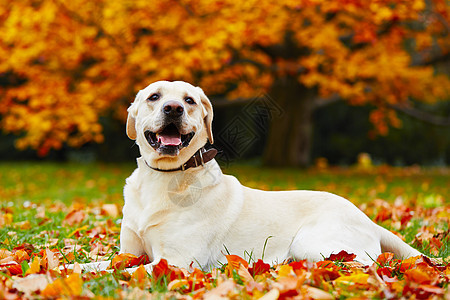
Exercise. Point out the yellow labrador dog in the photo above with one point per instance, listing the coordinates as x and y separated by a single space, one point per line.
180 207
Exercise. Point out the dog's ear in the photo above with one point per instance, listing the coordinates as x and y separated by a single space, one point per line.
131 120
208 114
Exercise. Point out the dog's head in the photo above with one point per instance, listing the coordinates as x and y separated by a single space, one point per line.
170 121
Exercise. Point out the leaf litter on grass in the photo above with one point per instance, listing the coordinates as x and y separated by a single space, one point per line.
36 239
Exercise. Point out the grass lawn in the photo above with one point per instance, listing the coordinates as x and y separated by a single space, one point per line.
52 213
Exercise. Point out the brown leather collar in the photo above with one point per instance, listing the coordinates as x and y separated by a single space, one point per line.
201 157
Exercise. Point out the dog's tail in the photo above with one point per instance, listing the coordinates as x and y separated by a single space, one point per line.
392 243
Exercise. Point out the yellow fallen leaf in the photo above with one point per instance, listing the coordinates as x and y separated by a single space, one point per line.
360 278
177 284
78 229
285 270
35 266
70 286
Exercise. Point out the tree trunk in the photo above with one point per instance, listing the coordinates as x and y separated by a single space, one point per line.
290 136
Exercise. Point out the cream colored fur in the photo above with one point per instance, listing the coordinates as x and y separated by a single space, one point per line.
197 215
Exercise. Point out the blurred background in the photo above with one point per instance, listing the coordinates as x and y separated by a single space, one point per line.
293 83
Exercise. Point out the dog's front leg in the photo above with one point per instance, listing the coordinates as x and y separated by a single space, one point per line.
90 267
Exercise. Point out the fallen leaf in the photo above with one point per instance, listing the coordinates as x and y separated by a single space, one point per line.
163 269
385 258
234 261
315 293
221 291
69 287
74 217
139 278
51 259
285 270
360 278
110 210
177 284
259 268
418 275
342 256
31 284
273 294
127 260
35 266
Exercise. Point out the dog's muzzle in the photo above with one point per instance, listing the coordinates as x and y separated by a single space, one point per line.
169 140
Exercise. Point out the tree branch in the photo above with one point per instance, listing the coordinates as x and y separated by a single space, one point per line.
421 115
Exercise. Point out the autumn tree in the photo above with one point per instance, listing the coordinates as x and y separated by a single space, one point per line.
66 63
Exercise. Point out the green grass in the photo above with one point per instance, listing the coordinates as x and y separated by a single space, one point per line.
103 183
38 196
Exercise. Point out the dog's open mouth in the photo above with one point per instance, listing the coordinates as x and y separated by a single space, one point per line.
169 140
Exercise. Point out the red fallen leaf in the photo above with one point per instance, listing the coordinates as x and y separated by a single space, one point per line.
25 247
259 268
163 269
74 217
342 256
299 265
406 217
13 267
385 271
126 260
385 258
383 215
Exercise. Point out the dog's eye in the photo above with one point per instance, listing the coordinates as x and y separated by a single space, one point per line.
189 100
154 97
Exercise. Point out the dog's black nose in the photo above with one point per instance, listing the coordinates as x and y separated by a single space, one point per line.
173 109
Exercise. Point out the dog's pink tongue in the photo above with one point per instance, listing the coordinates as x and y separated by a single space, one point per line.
170 140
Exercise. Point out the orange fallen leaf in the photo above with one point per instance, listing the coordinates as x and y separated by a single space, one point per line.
234 261
4 253
139 278
385 258
21 255
127 260
69 287
418 275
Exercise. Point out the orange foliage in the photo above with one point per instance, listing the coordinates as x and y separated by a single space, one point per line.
66 63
